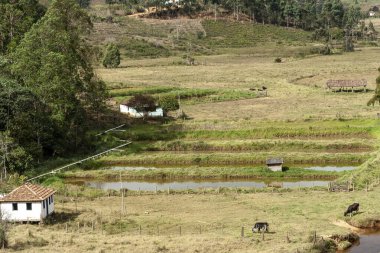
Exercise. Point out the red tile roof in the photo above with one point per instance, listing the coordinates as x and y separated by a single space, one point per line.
28 192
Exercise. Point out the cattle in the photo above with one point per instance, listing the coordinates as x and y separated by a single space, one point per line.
352 208
260 226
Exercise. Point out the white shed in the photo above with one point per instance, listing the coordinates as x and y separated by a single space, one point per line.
275 164
372 13
132 112
29 202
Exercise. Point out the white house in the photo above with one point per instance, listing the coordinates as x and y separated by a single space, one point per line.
132 112
29 202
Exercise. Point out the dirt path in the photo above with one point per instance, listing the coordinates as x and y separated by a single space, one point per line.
343 224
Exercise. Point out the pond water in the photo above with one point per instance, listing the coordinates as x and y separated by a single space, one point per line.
332 168
317 168
369 243
152 185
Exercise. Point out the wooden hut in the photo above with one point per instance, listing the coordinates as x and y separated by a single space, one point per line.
275 164
349 85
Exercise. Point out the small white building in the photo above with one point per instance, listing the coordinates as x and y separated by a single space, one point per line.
275 164
29 202
132 112
372 13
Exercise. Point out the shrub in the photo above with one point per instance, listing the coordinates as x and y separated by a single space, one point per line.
169 103
3 236
278 60
112 56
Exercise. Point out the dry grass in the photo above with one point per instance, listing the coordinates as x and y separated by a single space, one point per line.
221 217
292 96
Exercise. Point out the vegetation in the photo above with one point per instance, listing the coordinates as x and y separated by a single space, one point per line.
48 86
112 56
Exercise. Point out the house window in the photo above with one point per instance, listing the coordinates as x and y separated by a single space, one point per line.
14 206
49 200
29 206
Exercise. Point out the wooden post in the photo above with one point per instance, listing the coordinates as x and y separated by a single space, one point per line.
180 230
168 190
262 235
315 237
287 237
78 225
242 231
140 230
101 225
158 230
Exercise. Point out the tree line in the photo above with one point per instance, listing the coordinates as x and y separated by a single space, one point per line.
306 14
48 89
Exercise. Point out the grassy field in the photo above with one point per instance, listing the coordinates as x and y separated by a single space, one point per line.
209 222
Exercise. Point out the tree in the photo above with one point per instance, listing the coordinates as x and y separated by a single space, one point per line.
376 96
16 18
142 103
53 62
169 103
112 56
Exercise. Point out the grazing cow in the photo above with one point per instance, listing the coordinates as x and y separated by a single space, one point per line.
260 226
352 208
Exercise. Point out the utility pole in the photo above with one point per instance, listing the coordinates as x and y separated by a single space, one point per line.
122 195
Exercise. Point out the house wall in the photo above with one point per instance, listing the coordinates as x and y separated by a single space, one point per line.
48 209
135 114
21 214
38 211
275 167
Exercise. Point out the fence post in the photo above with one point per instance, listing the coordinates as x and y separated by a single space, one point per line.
242 231
262 236
140 229
78 225
315 238
168 190
180 230
158 230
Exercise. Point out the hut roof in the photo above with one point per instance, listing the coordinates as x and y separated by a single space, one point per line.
274 161
28 192
346 83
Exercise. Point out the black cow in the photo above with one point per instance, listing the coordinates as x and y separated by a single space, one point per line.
260 226
352 208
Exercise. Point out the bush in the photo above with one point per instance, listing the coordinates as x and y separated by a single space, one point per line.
169 103
278 60
112 56
3 236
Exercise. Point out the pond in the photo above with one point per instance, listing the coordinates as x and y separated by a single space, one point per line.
152 185
369 243
331 168
316 168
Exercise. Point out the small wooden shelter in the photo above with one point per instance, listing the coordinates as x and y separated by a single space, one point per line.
275 164
350 85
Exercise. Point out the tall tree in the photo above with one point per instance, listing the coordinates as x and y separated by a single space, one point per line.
53 61
112 56
16 18
376 96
